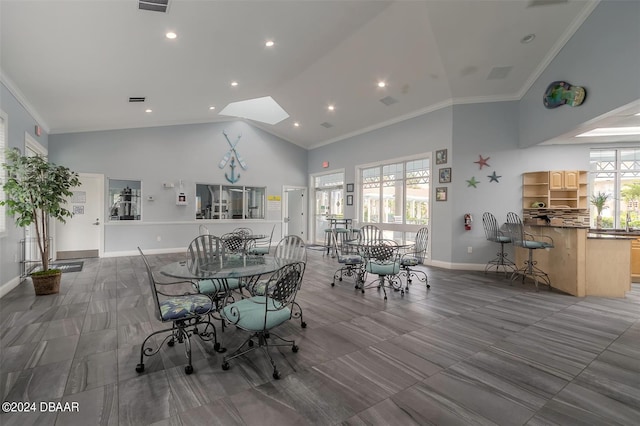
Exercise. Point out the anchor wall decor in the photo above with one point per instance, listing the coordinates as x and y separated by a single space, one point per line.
230 158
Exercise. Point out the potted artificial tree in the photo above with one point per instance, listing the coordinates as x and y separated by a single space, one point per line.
36 191
599 200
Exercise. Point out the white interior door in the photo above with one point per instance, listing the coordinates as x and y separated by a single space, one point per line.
82 235
295 219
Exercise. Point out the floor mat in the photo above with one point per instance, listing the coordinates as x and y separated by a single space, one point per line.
66 266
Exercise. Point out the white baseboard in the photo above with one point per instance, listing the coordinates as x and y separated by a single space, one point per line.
146 251
457 266
8 286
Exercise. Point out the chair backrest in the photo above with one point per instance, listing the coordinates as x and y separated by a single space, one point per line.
203 230
381 251
204 249
491 228
369 233
291 249
284 284
233 242
515 229
421 244
242 231
152 284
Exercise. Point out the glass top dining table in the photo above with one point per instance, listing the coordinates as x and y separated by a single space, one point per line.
222 267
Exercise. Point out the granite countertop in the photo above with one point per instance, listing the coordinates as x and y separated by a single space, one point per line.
616 232
556 226
599 235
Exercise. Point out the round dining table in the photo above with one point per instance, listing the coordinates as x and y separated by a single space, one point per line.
223 267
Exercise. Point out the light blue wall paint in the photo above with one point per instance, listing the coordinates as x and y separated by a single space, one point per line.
19 122
418 135
187 153
604 57
491 130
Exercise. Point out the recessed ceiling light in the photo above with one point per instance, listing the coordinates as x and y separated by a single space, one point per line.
269 43
296 124
212 107
382 84
528 38
611 131
171 35
234 83
331 107
637 115
148 110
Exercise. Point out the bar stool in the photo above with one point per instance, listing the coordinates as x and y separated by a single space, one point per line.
494 234
523 239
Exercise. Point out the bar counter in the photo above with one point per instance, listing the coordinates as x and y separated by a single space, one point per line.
583 263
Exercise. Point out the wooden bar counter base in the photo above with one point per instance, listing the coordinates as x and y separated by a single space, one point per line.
583 264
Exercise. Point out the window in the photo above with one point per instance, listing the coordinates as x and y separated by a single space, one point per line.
124 199
396 193
616 172
395 196
3 146
230 202
329 201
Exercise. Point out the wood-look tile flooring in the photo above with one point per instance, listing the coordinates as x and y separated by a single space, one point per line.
471 350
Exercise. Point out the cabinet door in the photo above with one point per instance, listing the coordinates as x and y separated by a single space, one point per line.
571 179
635 257
556 180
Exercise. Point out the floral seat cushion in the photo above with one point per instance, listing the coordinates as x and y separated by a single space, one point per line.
179 307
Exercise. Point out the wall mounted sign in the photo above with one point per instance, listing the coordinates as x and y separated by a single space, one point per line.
562 93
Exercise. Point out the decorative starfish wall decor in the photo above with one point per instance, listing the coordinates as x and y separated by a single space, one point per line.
482 161
472 182
494 178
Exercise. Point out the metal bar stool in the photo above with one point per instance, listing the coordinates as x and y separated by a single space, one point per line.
523 239
494 234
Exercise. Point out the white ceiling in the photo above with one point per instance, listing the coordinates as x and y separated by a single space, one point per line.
76 63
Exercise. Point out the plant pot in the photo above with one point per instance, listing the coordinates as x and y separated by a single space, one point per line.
46 284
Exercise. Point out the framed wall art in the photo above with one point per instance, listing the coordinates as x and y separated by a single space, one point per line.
444 175
441 194
349 200
441 156
349 187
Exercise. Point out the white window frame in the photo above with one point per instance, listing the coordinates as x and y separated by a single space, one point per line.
4 136
396 227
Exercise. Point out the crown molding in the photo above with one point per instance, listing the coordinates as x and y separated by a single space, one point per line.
22 99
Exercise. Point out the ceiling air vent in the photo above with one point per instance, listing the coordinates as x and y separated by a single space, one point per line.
498 73
137 99
153 5
327 125
536 3
388 100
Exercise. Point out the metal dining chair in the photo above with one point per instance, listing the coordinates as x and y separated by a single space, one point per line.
382 258
188 313
260 315
414 257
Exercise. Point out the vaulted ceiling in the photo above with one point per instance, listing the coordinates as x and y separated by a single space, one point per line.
75 64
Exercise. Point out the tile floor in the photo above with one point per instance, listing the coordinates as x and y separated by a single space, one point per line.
471 350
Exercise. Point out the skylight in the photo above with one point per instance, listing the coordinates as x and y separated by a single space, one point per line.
264 110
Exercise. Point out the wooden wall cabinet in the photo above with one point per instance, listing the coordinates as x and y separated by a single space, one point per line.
561 180
557 189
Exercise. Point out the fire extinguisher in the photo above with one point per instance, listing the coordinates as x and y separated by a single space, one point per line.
467 221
